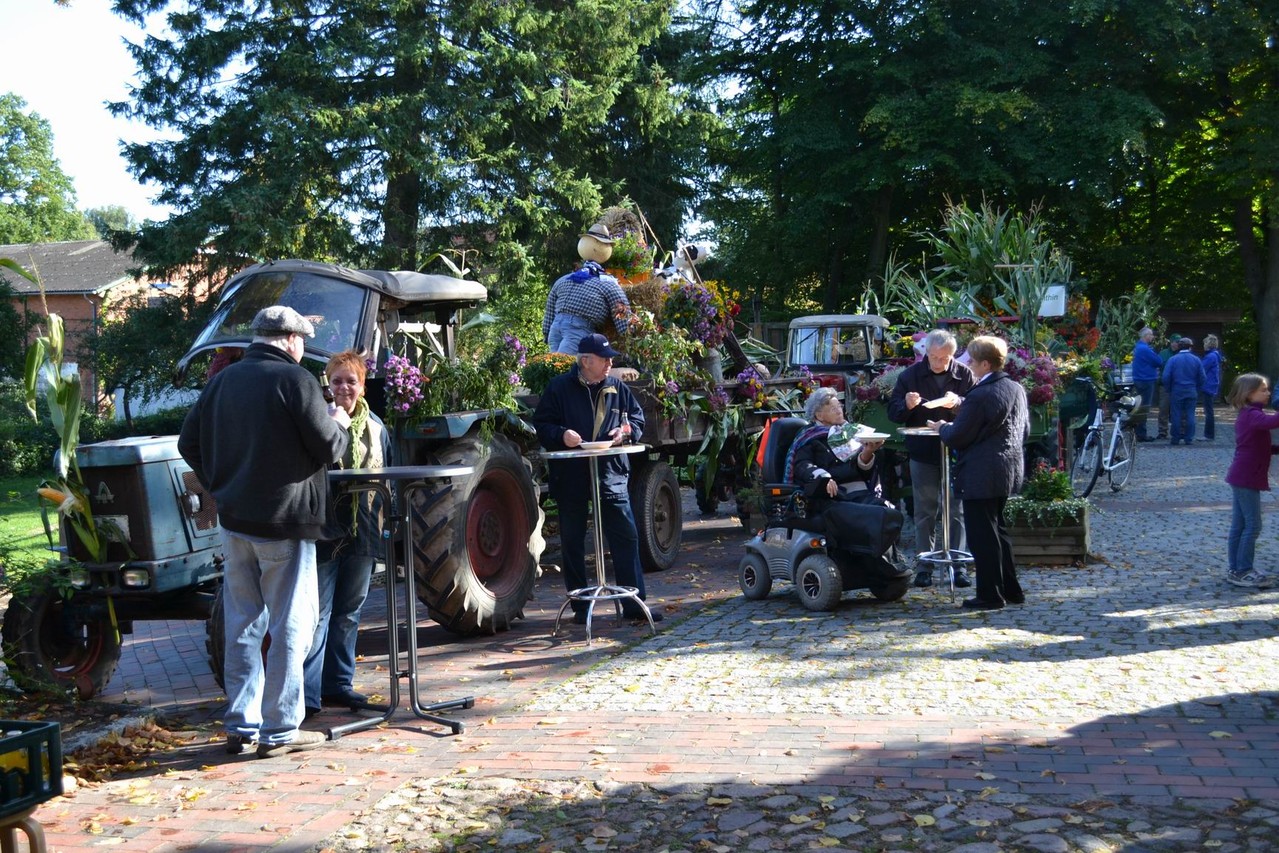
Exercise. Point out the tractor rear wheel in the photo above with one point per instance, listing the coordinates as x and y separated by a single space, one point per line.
50 643
479 538
659 514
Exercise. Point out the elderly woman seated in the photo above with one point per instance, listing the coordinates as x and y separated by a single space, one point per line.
837 473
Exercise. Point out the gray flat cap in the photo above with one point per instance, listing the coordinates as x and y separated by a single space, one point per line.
277 320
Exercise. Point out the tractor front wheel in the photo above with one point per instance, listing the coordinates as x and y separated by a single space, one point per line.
50 643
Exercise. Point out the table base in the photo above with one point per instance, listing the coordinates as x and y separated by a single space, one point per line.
948 557
602 592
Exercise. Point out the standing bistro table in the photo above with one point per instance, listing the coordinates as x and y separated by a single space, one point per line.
946 556
602 590
410 479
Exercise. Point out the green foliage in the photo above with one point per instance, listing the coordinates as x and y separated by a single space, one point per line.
37 199
14 328
1020 511
1120 320
138 348
360 132
1047 484
1046 500
110 219
542 368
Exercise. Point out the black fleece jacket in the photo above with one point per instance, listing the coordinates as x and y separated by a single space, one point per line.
260 439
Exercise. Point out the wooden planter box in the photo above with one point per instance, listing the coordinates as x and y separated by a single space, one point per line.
1051 546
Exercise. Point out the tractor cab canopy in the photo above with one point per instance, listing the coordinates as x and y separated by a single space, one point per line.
840 341
350 309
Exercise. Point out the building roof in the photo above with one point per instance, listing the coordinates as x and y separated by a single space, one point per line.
74 267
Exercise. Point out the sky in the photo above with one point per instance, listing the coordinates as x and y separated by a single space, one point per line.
66 62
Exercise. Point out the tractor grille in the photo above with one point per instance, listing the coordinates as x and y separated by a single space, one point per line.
119 493
206 518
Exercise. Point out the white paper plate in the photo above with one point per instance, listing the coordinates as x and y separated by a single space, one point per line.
595 445
872 436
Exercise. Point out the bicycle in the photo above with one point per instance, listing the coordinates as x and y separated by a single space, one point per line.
1115 455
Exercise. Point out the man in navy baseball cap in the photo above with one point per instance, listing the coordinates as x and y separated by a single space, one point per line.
596 344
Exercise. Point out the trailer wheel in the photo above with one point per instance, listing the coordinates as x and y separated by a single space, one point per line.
50 644
659 514
479 538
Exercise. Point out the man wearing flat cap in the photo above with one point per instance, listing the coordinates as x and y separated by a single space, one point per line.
260 439
587 404
586 298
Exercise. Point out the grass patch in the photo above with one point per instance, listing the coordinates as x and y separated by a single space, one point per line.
21 530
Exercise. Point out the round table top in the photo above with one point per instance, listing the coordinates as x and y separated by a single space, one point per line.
400 472
582 453
919 431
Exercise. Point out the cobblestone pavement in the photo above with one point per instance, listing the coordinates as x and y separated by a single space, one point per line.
1129 705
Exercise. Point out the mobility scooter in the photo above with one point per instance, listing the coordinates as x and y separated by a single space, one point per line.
793 545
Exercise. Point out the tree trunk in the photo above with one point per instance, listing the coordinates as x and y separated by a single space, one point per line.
1261 275
880 211
400 217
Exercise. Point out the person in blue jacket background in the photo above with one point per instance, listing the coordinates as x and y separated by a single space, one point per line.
1145 373
1184 381
1212 385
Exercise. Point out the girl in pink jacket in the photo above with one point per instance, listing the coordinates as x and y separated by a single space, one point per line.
1249 477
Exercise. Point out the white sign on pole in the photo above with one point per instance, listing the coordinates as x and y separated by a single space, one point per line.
1054 304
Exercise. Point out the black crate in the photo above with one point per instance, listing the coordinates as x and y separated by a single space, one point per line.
30 765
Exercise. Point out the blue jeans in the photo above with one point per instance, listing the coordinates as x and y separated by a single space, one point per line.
268 587
1181 417
1245 527
1210 423
343 584
1147 392
566 331
618 524
925 490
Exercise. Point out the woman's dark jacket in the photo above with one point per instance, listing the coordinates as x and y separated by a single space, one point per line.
569 403
816 464
261 440
919 377
989 433
366 538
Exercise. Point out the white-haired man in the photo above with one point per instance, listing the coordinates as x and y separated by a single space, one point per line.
940 380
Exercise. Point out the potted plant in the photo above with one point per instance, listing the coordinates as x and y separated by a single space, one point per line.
1048 525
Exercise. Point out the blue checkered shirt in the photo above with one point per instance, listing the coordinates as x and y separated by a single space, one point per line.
596 300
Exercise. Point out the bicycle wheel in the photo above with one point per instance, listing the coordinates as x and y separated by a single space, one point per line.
1083 475
1125 456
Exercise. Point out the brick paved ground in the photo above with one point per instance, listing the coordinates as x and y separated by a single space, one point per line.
1141 676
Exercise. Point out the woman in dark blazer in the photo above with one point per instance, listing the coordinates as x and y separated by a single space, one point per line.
988 435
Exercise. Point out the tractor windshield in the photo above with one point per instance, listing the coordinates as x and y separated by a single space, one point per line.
333 306
824 345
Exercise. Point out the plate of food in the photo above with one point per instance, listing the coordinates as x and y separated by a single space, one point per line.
595 445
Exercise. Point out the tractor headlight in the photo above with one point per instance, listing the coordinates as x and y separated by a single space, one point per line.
79 578
135 578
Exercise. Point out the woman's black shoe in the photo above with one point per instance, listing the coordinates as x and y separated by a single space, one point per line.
982 604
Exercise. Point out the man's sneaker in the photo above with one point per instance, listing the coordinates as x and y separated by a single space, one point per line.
1252 579
303 741
961 579
236 744
923 578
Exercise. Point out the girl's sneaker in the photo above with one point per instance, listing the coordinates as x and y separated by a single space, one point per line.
1253 578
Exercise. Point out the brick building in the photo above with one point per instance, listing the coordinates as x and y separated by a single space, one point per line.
82 280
